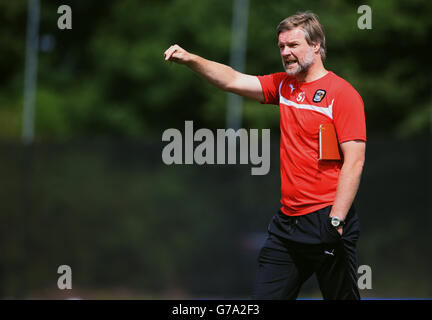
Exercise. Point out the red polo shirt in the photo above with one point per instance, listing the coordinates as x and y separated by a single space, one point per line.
308 184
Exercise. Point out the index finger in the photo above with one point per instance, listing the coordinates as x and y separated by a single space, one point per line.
169 52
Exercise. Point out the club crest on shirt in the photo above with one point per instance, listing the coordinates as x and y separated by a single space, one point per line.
319 95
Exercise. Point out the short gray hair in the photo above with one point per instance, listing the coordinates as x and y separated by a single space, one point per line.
311 26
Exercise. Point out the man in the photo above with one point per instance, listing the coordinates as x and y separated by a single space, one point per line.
317 228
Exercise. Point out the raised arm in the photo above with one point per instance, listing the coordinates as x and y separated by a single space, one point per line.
220 75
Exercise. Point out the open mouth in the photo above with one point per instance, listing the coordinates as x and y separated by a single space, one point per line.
290 62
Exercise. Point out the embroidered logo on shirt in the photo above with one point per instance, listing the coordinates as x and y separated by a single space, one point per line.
292 88
301 96
319 95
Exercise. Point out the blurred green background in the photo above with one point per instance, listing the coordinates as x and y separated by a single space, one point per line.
92 191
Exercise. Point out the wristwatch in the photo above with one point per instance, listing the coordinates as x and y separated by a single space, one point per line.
336 222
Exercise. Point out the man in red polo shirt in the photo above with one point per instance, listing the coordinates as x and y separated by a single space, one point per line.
317 228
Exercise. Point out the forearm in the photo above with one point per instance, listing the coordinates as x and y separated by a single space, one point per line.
348 184
220 75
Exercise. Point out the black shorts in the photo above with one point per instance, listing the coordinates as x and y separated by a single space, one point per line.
298 247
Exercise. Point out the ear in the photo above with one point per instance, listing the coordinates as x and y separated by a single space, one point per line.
316 47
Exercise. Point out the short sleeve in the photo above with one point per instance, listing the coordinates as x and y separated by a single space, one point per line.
270 86
349 116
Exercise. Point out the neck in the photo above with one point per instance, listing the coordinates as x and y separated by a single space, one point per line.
315 71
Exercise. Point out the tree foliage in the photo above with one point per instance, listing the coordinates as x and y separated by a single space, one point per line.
107 77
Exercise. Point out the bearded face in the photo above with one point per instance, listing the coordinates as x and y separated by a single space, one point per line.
297 55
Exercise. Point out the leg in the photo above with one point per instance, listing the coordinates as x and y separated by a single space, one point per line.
336 266
337 273
280 273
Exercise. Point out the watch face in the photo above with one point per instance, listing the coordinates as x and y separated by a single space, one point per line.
335 222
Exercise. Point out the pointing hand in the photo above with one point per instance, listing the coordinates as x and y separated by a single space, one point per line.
177 54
